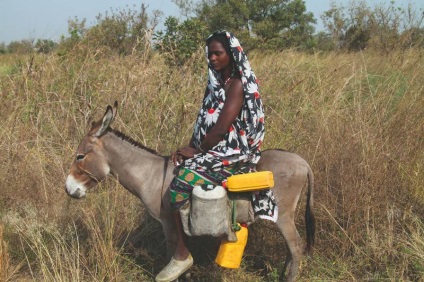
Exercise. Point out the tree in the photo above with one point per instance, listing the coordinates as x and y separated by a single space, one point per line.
3 48
413 37
45 46
180 40
359 31
324 42
260 23
187 7
335 22
76 29
224 14
20 47
385 27
412 26
121 31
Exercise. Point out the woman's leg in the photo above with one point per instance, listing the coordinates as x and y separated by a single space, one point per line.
181 260
181 251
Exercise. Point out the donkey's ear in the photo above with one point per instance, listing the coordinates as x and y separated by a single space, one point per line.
107 119
115 109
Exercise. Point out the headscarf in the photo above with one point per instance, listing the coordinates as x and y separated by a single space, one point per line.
244 138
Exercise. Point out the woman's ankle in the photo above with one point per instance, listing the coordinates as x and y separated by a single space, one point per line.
181 255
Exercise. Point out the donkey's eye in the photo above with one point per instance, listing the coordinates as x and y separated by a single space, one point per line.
80 157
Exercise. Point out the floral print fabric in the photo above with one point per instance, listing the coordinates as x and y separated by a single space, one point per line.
240 146
185 179
244 138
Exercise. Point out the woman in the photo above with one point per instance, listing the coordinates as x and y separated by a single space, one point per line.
227 136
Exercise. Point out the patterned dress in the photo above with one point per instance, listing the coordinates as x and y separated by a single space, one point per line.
239 151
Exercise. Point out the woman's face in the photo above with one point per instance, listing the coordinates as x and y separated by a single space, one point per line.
218 57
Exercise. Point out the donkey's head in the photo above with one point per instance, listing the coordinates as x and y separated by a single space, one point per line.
90 165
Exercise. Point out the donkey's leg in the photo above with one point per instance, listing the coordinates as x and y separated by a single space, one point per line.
287 263
294 244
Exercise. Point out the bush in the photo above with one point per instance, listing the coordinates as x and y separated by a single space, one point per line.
120 31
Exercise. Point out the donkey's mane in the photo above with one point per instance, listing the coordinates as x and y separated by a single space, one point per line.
132 141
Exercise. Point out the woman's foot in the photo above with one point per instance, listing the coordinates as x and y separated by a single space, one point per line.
174 269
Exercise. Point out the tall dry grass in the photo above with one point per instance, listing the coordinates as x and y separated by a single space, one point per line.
357 118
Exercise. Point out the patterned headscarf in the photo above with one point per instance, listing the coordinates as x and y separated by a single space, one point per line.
244 138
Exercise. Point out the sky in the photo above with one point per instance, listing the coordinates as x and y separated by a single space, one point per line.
48 19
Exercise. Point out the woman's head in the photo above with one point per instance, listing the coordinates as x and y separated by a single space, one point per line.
222 39
219 52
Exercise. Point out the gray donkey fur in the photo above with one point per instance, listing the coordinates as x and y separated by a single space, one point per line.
147 175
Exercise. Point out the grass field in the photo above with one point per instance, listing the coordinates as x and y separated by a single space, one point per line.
357 118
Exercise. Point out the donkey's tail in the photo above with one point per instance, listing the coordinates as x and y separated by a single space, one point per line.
309 213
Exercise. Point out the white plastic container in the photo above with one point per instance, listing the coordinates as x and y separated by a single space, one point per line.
209 212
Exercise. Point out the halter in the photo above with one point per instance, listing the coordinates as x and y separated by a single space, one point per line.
88 173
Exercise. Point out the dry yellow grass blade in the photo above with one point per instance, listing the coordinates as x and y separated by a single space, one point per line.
358 118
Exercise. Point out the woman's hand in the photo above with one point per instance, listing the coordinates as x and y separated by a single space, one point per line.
183 153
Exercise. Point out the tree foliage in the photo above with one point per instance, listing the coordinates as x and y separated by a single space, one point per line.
273 24
45 46
180 40
27 46
121 31
383 27
24 46
3 48
265 24
259 24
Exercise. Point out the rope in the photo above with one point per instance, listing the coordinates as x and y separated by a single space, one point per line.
234 225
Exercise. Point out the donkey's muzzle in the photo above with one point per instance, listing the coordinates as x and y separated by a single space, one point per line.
77 194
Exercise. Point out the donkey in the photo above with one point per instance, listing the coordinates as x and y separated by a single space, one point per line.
147 175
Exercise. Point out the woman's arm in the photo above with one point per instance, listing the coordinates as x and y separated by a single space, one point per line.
230 111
